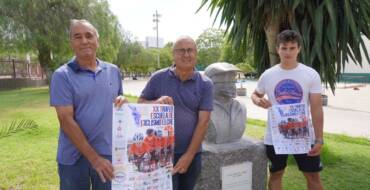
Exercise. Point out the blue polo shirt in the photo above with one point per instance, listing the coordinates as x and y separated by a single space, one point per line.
92 95
190 97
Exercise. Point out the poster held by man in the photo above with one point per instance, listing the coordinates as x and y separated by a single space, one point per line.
143 144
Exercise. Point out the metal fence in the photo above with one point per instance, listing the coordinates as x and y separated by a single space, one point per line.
18 69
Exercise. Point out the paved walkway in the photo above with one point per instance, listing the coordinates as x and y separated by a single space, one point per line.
348 112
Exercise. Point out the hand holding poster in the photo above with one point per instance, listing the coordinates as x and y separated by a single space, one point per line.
290 128
143 146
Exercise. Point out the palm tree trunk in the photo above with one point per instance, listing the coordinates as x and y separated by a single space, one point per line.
271 31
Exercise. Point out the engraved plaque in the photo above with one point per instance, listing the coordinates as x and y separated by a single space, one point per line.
237 176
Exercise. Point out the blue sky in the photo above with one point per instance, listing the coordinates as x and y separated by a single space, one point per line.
179 17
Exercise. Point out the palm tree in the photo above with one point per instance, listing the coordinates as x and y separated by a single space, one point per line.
332 30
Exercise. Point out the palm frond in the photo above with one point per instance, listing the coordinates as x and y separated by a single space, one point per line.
16 126
332 30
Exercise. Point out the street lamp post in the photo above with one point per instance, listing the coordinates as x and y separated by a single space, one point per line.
156 17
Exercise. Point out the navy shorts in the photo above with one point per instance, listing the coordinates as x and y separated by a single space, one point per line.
305 163
81 176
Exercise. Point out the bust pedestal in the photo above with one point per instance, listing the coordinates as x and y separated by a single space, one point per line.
237 161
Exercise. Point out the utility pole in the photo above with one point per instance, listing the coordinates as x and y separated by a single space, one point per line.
156 17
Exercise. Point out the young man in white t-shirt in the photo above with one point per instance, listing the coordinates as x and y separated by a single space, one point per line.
291 82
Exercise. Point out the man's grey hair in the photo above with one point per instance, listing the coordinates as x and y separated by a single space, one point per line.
74 22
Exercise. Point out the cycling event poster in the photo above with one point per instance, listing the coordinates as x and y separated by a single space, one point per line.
143 147
290 128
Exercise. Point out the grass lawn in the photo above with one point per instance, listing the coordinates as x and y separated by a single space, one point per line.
346 161
27 158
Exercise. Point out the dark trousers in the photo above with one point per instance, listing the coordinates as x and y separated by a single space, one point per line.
81 176
187 180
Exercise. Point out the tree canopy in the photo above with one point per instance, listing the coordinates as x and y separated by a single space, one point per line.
209 44
332 30
134 58
42 27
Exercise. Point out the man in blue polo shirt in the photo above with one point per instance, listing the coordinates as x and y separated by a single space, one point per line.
191 93
82 92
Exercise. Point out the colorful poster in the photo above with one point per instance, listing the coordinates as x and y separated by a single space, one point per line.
290 128
143 146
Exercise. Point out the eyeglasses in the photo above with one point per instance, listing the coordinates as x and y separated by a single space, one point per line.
182 51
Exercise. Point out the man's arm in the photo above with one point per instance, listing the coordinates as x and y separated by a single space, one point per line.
200 131
260 101
317 116
70 127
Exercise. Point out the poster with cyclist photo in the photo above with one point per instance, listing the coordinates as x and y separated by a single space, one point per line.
290 128
143 146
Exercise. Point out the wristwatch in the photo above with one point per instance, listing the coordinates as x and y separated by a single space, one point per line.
319 141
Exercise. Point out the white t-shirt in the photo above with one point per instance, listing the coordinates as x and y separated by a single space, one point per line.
288 87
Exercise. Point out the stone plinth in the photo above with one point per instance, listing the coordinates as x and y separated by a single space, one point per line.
217 156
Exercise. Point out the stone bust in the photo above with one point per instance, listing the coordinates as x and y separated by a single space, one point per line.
228 118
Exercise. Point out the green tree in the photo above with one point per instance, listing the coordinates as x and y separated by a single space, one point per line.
209 45
42 27
107 24
166 55
149 60
243 59
332 30
237 55
127 49
133 58
230 55
245 67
